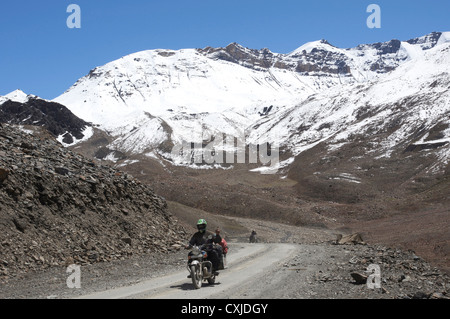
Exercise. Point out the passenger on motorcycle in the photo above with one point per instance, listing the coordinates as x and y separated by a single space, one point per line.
223 242
201 238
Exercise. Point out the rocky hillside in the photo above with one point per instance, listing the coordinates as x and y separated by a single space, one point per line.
59 208
320 58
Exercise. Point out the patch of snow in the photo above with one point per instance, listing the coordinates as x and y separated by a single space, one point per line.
347 177
27 131
444 38
127 162
88 132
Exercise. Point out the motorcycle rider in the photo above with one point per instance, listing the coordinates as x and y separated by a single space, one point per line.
253 237
201 238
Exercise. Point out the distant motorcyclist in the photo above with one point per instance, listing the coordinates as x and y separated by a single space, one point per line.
252 238
202 237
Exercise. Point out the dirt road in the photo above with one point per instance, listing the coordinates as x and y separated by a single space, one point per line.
247 262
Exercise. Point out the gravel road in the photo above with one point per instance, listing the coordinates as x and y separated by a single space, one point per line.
307 264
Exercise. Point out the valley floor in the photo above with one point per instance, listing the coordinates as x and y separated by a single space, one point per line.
315 268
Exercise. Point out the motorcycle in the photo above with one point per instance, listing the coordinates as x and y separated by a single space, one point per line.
199 267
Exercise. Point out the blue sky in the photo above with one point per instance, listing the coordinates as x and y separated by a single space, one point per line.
41 55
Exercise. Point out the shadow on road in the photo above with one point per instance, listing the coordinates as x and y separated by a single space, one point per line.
190 286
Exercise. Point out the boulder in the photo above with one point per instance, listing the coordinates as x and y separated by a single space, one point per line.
349 239
3 174
360 279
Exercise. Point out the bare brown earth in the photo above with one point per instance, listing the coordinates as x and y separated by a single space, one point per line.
424 232
399 201
390 221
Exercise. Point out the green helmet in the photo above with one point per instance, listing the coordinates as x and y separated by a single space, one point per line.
201 225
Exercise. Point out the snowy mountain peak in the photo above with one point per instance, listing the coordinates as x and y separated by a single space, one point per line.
310 46
430 40
236 53
17 96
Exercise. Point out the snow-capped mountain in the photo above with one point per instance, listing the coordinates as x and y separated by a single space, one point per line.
21 109
152 100
15 96
409 106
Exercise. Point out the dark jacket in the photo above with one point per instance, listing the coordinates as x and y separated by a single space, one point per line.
199 238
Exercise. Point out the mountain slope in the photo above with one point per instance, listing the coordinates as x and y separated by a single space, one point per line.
397 111
21 109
